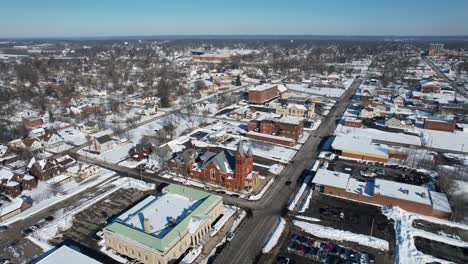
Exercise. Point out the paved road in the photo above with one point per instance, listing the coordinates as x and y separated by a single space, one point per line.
460 89
249 238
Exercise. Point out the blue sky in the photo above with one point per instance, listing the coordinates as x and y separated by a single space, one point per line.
72 18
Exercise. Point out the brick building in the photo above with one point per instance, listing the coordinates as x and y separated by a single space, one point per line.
287 127
440 124
352 122
231 170
263 93
32 122
215 58
411 198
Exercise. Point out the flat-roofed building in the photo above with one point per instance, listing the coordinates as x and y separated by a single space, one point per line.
263 93
162 227
412 198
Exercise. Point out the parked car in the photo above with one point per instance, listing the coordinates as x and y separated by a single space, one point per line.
3 228
27 231
230 236
284 260
49 218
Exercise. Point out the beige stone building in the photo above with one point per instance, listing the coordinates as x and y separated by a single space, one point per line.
295 110
161 228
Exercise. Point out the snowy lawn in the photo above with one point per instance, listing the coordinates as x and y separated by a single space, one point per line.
116 154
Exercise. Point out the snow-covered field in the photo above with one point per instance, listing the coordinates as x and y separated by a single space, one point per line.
341 235
275 236
325 91
116 154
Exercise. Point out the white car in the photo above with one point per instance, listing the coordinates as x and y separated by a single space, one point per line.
230 236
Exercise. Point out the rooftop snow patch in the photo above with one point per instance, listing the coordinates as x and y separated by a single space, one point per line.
67 255
331 178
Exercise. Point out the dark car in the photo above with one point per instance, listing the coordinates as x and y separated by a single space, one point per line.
27 231
284 260
287 183
3 228
49 218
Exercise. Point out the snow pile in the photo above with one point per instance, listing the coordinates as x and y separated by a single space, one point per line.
192 255
306 202
406 251
276 169
228 211
238 221
298 195
310 219
264 190
274 237
140 185
341 235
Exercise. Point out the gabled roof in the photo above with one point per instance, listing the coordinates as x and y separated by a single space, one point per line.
103 139
224 161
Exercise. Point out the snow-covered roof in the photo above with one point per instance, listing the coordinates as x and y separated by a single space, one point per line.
331 178
159 210
253 133
169 214
440 202
291 120
263 87
6 174
358 144
3 150
13 206
67 255
403 191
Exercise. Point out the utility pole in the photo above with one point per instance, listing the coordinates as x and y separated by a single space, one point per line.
372 226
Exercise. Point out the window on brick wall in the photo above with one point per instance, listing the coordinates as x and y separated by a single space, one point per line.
213 174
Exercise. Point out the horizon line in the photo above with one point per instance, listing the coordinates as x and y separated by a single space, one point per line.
220 36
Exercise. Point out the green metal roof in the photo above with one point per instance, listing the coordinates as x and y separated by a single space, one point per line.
162 244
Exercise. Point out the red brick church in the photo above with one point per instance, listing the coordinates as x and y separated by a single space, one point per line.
231 170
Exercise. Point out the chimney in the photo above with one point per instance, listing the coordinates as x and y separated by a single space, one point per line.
146 225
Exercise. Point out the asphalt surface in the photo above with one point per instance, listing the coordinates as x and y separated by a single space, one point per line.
252 234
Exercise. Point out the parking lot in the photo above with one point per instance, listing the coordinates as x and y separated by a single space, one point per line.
391 173
355 217
317 250
441 250
93 219
438 249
